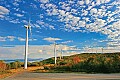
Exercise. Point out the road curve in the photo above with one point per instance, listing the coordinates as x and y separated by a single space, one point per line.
62 76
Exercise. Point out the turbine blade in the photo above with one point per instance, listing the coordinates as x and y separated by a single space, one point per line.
29 22
30 28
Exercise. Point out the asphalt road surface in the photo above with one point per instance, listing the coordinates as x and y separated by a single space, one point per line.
62 76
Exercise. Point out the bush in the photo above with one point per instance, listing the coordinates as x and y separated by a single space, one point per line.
34 64
2 66
15 65
62 63
8 66
62 68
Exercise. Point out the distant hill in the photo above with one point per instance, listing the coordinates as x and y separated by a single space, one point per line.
22 60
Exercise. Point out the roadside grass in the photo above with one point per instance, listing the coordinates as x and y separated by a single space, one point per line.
5 72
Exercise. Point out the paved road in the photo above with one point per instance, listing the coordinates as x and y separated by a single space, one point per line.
62 76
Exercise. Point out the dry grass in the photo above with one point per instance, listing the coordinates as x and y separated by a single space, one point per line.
14 72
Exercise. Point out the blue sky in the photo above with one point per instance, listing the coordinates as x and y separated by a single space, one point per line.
76 25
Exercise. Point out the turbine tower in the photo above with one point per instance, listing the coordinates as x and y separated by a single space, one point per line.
61 54
26 45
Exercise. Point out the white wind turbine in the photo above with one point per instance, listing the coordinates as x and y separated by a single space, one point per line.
55 52
28 27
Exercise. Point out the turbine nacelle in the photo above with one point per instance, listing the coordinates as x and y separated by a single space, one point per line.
27 26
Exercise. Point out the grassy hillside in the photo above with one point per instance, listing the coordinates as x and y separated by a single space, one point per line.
86 62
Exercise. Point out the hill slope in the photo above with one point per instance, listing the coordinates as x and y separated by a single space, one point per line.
87 62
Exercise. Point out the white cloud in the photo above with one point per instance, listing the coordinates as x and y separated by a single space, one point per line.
80 2
3 11
65 6
1 16
93 10
40 24
18 15
35 51
16 4
51 27
50 39
44 1
85 12
25 21
11 52
101 50
11 38
97 2
2 39
7 38
21 39
32 39
36 25
15 21
69 41
82 23
62 12
74 11
54 12
87 1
